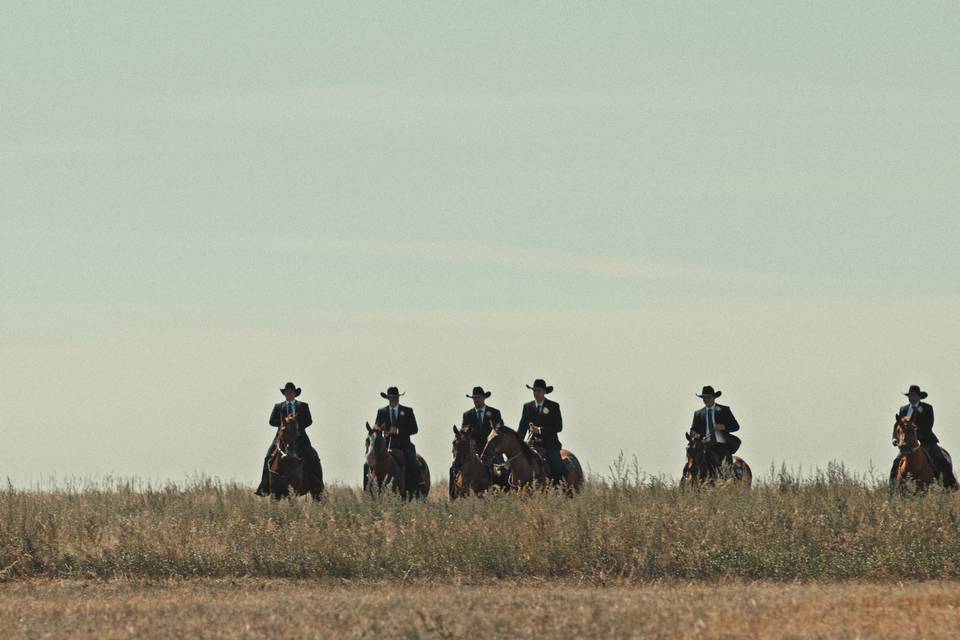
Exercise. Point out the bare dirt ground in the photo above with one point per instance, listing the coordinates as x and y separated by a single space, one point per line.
255 608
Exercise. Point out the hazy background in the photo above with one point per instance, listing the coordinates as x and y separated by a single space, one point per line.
199 202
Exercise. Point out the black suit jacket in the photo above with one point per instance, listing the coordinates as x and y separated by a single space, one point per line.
406 423
304 419
924 419
549 420
481 432
724 415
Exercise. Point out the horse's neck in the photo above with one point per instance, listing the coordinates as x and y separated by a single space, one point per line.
382 459
702 465
470 459
917 457
515 452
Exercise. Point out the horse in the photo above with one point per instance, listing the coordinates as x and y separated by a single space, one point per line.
527 467
287 468
915 462
704 467
385 468
473 476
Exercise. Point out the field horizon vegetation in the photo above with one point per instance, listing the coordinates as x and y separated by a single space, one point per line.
825 525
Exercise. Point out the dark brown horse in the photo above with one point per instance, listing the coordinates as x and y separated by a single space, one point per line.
287 468
915 465
527 467
386 469
704 466
473 476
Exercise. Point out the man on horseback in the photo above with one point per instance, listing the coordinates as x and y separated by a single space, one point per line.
542 418
922 415
293 409
399 424
480 419
716 423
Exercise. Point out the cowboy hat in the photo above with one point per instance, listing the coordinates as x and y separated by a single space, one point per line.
915 388
478 391
708 391
291 387
392 391
540 384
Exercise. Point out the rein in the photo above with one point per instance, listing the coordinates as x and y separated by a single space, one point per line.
514 457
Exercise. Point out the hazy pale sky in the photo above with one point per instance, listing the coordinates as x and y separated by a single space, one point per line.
199 202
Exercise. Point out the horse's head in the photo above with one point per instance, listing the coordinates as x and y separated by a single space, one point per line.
463 444
696 452
288 432
376 443
498 442
905 433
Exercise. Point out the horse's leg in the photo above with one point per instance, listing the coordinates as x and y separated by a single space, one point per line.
904 474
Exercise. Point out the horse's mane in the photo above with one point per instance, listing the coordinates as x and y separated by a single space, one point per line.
527 449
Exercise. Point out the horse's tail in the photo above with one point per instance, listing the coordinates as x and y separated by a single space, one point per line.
746 475
572 470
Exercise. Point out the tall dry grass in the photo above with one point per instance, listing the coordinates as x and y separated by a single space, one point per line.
828 525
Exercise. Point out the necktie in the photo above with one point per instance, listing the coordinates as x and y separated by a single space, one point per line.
709 422
539 408
480 416
393 415
289 407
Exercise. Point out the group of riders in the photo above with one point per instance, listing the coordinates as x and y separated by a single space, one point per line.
541 421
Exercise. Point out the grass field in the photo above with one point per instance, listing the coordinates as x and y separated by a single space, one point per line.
828 527
277 608
824 557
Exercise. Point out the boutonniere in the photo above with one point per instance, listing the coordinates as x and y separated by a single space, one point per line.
403 413
546 411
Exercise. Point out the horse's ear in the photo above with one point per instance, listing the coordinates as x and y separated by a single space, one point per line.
689 437
497 427
368 428
456 431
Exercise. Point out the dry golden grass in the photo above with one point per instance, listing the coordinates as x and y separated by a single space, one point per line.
275 608
828 527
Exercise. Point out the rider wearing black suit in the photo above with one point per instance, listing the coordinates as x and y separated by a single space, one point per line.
542 418
922 414
301 411
480 419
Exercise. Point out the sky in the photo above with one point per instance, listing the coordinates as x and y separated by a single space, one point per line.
199 203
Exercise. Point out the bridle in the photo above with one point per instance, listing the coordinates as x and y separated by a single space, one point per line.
283 447
903 430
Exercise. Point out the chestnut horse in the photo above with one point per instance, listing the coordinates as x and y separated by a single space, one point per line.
385 468
704 467
473 476
527 467
915 465
287 469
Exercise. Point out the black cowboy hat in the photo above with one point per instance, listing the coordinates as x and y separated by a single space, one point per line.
914 388
392 391
708 391
291 387
478 391
540 384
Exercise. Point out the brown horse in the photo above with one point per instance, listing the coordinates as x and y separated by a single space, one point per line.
287 469
527 467
915 465
386 470
704 466
473 476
